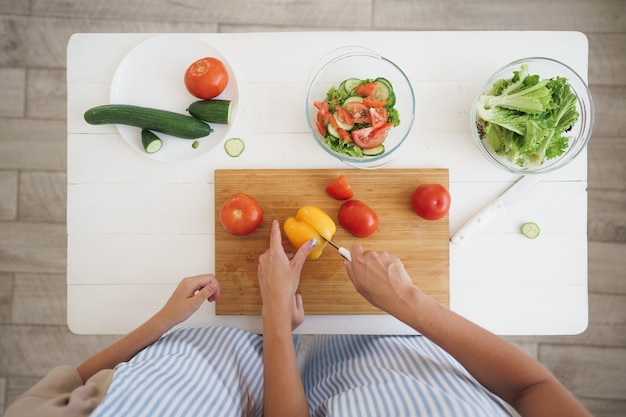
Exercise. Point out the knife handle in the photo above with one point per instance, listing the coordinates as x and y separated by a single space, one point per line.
345 253
477 221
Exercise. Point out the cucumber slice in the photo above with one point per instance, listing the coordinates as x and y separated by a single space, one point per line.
379 150
353 99
530 230
343 125
332 131
234 147
384 91
349 85
150 141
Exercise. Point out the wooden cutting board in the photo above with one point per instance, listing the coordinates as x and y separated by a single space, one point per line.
422 245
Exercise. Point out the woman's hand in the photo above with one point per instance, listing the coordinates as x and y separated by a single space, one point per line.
188 296
279 277
380 278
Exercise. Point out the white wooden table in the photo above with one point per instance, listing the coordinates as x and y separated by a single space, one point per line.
137 226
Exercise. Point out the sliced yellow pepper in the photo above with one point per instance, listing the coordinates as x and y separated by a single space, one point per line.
310 223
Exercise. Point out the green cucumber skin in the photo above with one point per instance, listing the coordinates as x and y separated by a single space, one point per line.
212 111
170 123
147 138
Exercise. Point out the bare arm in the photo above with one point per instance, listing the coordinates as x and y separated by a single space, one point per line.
497 364
189 295
282 312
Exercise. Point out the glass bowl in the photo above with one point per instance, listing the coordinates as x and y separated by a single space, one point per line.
578 135
361 63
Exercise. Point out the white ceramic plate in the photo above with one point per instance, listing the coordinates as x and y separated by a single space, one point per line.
152 75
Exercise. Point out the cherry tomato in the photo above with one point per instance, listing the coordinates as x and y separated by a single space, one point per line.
358 111
340 189
431 201
206 78
366 90
241 214
358 218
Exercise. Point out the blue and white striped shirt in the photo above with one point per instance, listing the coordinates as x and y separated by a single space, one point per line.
218 371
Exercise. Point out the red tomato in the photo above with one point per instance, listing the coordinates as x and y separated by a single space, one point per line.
366 90
321 105
378 116
358 218
241 214
206 78
431 201
345 136
344 118
361 138
324 117
321 126
374 102
340 189
370 137
358 111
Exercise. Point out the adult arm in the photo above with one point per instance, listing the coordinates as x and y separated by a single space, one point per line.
282 311
190 293
497 364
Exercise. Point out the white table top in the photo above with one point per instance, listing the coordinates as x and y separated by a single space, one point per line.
137 226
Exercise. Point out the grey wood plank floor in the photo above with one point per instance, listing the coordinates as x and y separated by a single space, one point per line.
33 38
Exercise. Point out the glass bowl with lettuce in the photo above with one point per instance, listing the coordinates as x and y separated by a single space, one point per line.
533 116
360 107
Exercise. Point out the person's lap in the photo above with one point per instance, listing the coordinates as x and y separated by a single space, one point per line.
219 371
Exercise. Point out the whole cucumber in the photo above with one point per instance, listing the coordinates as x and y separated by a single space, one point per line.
164 121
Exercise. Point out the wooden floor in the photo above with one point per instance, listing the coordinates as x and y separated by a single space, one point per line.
33 39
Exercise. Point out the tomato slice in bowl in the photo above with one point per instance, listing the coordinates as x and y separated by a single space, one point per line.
366 90
378 116
363 138
368 137
358 111
344 118
374 102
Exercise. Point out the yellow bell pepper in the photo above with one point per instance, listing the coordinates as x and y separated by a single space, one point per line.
310 222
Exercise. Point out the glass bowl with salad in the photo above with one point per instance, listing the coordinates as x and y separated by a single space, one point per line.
533 116
360 107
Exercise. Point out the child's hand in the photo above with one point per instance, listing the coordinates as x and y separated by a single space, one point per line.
188 296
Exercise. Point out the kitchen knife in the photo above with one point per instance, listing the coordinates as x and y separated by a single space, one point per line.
342 251
502 204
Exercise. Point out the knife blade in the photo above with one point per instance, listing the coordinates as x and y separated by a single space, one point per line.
342 251
507 200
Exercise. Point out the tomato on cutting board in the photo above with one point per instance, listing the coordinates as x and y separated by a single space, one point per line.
358 218
431 201
206 78
241 214
340 188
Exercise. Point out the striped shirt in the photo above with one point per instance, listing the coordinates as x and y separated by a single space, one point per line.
218 371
